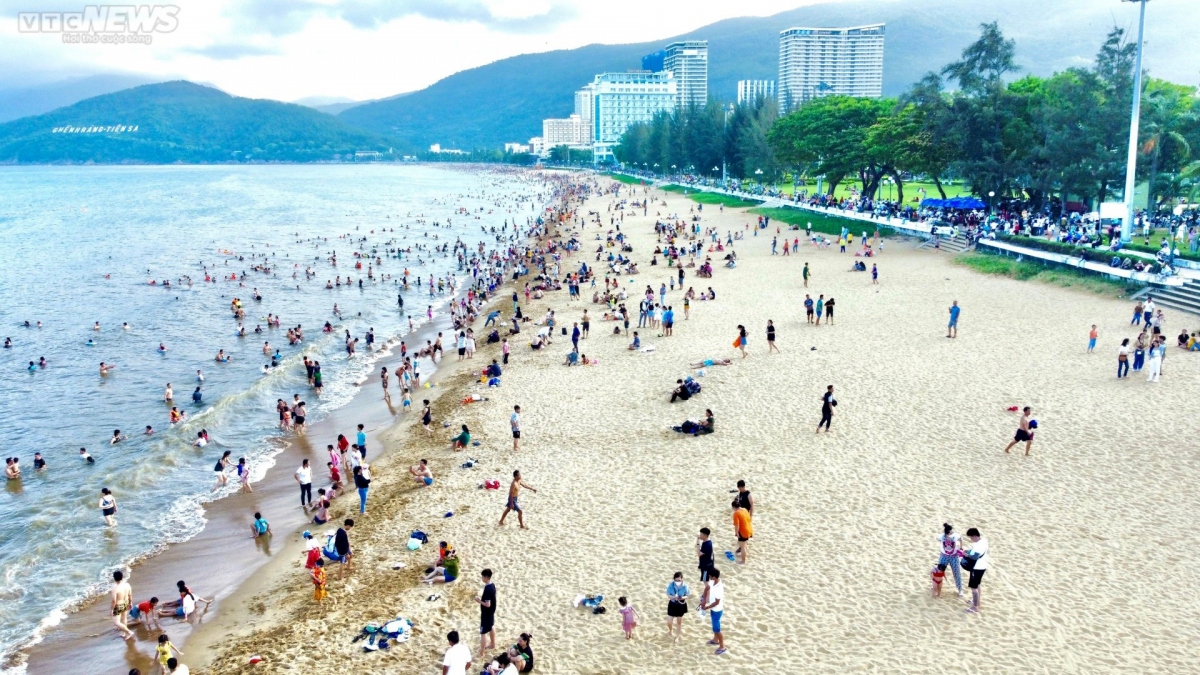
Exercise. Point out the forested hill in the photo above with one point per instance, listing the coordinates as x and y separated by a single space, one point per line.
507 100
181 122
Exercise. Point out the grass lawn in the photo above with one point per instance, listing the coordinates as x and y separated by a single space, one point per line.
826 224
629 180
711 198
1058 276
910 190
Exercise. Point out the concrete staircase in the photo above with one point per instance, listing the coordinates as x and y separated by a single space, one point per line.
950 245
1185 298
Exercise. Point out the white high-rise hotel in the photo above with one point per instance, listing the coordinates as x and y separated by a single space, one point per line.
622 99
688 61
816 62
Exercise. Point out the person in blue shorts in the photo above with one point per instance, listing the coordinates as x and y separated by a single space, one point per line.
952 329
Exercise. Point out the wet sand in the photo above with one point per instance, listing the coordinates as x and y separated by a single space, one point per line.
217 561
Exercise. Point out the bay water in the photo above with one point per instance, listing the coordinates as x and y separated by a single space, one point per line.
80 245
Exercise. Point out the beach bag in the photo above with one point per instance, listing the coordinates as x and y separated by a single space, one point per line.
737 342
967 563
330 548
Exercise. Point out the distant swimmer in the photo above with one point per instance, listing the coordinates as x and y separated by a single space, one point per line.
96 326
8 343
42 362
124 326
177 415
199 376
197 396
105 367
117 437
39 464
222 357
169 394
149 430
83 454
32 366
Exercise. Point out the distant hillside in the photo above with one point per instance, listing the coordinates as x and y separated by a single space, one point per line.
507 100
22 101
181 122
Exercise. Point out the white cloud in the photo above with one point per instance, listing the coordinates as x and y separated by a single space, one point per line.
361 49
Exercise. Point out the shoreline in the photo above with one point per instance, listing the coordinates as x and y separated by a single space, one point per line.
220 547
620 497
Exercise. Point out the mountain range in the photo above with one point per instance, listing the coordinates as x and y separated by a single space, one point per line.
181 122
506 100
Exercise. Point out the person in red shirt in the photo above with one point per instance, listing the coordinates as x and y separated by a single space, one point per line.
144 613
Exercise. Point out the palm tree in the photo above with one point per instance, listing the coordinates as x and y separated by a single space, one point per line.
1161 121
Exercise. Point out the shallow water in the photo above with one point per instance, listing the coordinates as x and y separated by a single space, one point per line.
81 244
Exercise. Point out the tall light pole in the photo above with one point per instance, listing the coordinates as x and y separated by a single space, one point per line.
1131 165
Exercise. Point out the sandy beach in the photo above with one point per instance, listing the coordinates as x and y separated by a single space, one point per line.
1091 534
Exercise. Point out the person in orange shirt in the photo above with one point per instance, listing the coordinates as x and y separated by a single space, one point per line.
743 529
318 579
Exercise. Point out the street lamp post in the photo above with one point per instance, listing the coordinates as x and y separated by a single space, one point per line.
1131 164
992 202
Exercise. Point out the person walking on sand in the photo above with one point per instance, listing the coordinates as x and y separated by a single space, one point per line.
487 613
1092 335
677 597
1123 359
827 404
771 338
383 378
952 329
1154 363
950 554
829 311
120 600
714 602
743 529
427 418
704 551
515 422
514 490
820 307
629 617
874 274
805 273
303 476
976 561
740 342
1024 432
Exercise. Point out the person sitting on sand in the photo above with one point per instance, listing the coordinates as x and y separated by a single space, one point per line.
572 359
681 392
446 569
698 428
637 342
421 473
462 440
711 362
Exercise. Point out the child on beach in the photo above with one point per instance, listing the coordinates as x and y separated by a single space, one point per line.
163 652
937 575
318 579
261 527
629 617
243 471
1092 335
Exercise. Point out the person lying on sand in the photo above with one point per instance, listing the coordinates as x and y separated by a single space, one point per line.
711 362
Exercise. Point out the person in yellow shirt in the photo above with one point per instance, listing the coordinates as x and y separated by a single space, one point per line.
743 529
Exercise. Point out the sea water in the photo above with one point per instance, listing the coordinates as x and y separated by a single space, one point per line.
81 244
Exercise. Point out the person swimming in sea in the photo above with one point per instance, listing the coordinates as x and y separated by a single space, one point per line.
222 357
89 343
117 437
83 454
105 367
162 349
